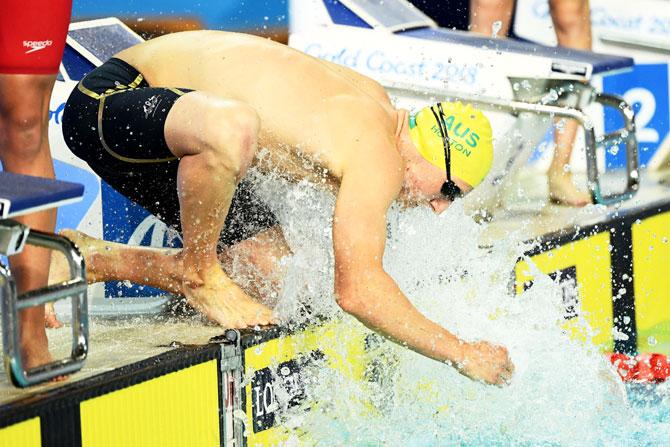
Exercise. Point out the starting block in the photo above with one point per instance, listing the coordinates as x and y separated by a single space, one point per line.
19 195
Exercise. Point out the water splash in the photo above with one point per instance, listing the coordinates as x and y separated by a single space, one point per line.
563 391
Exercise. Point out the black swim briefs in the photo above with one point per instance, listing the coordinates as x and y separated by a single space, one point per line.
114 120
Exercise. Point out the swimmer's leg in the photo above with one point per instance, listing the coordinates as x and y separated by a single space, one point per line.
111 261
573 30
561 187
484 13
253 263
215 140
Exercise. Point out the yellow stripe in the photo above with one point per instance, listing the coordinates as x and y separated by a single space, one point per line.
592 261
136 82
176 91
23 434
651 252
87 92
101 106
118 88
178 409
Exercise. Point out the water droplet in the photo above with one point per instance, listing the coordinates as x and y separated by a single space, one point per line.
550 97
495 28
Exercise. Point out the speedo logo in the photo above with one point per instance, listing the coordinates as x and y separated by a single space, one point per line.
36 45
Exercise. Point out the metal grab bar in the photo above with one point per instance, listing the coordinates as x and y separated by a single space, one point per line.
11 304
626 134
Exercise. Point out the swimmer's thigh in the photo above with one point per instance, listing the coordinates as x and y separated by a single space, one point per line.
124 141
201 121
121 137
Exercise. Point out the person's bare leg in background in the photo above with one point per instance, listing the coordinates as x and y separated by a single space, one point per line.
572 23
484 13
24 149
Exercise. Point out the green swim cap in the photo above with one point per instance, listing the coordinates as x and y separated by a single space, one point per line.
470 139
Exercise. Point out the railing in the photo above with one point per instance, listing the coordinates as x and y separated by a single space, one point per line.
13 238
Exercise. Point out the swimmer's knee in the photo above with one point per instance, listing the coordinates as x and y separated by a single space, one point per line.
248 124
23 115
222 132
234 139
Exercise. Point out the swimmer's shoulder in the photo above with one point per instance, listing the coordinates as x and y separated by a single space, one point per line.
359 128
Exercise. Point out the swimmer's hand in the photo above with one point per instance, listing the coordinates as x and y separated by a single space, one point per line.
487 363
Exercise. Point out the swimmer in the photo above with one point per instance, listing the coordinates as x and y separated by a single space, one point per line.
174 123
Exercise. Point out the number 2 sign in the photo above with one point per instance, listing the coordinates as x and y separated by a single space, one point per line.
646 89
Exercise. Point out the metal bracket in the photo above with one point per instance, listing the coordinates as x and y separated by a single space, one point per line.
232 389
11 304
231 355
13 237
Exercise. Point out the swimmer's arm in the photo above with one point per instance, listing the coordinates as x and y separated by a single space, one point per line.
362 287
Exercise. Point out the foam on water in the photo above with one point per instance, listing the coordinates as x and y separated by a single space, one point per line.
563 391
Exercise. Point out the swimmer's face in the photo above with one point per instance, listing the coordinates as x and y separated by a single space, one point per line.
423 183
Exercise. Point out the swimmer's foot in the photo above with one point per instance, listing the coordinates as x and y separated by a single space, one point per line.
50 318
35 351
219 299
563 191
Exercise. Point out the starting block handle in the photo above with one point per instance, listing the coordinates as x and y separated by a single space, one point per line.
591 144
74 288
627 134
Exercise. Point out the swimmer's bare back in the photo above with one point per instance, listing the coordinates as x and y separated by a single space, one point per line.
305 104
